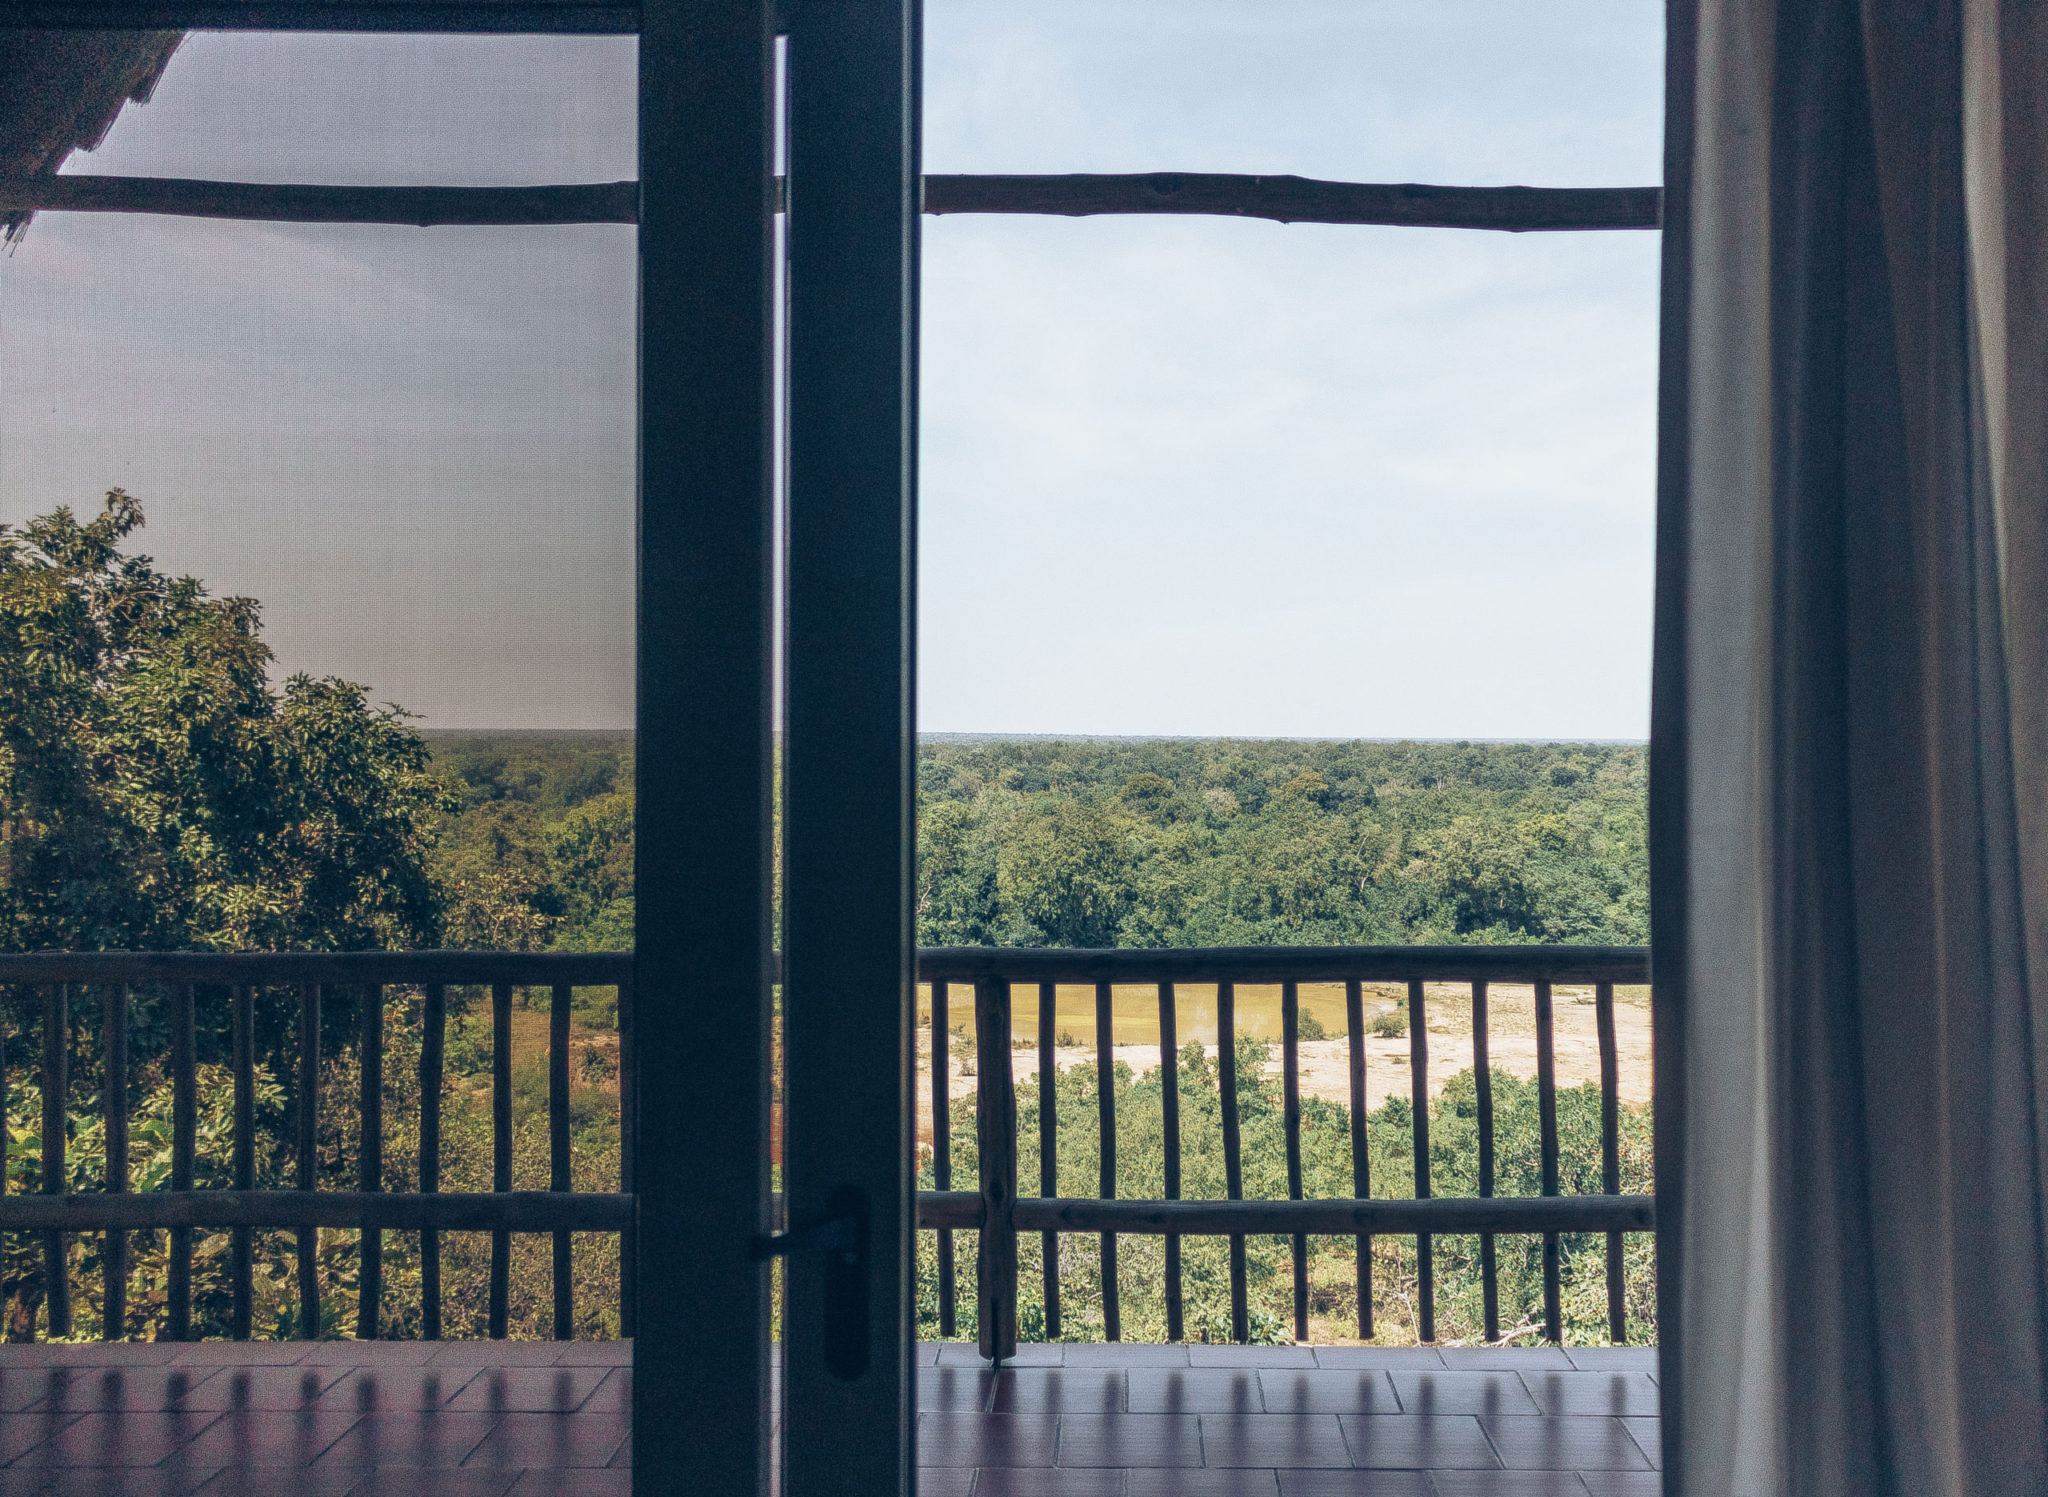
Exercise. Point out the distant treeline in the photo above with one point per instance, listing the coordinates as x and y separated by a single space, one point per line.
1216 842
1169 842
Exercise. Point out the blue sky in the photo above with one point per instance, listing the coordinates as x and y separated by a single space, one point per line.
1180 476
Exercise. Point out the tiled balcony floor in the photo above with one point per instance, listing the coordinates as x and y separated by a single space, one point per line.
481 1419
1286 1421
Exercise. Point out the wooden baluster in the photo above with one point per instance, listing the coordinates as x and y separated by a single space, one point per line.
1418 1094
1290 1105
995 1131
433 1053
184 1145
241 1249
56 1124
1169 1108
942 1148
1610 1155
501 1153
1291 1121
370 1300
114 1101
308 1162
1105 1117
558 1150
1233 1158
1546 1102
1361 1160
1048 1147
1482 1078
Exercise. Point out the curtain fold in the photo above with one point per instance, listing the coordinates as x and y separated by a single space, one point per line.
1852 757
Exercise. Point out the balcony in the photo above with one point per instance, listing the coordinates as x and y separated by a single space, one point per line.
234 1412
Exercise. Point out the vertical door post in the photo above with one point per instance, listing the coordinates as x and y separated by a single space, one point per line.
701 1377
852 236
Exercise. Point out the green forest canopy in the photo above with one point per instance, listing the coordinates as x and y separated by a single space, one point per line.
157 790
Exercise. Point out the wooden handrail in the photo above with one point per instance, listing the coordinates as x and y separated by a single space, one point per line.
964 964
284 1210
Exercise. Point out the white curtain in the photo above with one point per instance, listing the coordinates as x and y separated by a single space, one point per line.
1851 750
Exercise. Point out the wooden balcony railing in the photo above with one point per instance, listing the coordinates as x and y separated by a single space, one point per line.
994 1209
1000 1213
234 980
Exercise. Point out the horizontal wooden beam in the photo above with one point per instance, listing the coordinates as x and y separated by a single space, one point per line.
294 202
1268 964
595 17
142 1211
1287 199
1280 199
961 1210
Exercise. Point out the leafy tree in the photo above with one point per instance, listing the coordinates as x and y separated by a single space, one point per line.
156 791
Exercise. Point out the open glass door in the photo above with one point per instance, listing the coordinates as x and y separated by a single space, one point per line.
852 224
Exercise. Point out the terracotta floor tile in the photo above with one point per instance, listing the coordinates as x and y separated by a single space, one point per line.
89 1354
416 1439
252 1439
1059 1390
119 1439
595 1354
1417 1442
1043 1481
496 1353
1355 1484
1613 1393
574 1484
1623 1483
372 1353
1508 1484
953 1390
528 1390
264 1388
1251 1356
1613 1358
553 1441
1558 1444
20 1433
1123 1354
130 1483
1357 1391
1505 1358
282 1481
1462 1393
1194 1390
22 1387
86 1390
237 1353
1239 1483
1130 1440
986 1439
1392 1358
397 1390
399 1481
612 1396
1036 1354
1273 1440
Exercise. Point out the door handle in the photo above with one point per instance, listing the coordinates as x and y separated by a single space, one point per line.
841 1236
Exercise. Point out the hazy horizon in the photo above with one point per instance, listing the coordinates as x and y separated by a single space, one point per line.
1180 477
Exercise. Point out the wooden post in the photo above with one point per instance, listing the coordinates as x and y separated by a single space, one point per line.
995 1133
